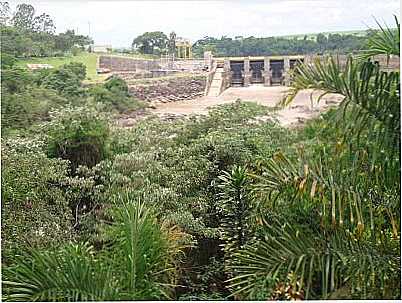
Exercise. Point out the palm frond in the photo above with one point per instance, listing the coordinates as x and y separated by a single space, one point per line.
145 252
139 263
332 260
371 95
340 187
384 42
70 274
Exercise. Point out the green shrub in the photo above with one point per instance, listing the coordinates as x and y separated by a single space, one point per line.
35 211
79 135
7 61
114 100
15 79
75 50
116 84
78 69
65 79
22 110
113 95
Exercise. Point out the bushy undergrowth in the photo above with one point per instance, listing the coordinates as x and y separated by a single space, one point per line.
178 169
224 206
28 97
35 209
66 80
21 110
171 166
79 135
113 96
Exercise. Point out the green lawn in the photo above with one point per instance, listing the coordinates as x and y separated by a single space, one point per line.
88 59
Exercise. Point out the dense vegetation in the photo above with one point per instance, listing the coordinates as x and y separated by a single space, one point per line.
30 97
158 43
222 206
270 46
25 35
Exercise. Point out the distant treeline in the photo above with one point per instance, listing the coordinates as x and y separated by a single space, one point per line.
281 46
24 34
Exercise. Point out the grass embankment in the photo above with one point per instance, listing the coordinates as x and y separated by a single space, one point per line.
88 59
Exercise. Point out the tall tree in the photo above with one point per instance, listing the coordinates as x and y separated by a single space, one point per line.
151 43
24 16
5 13
44 24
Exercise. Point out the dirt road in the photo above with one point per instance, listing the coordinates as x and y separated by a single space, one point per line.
302 108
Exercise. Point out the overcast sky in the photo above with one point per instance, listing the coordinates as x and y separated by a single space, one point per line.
118 22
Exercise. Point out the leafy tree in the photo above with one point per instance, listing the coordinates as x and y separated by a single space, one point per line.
278 46
15 42
24 17
151 43
322 41
29 35
5 13
65 41
44 24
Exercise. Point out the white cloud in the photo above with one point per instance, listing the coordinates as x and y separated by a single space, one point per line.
118 22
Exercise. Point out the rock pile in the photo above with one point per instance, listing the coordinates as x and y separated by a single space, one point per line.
169 90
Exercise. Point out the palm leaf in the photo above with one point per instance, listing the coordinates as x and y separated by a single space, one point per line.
145 252
334 259
384 42
71 274
371 96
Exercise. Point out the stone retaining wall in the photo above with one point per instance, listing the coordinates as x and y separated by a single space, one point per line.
144 74
115 63
186 65
169 90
